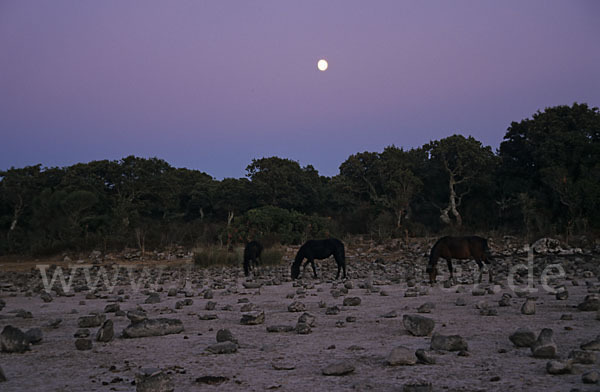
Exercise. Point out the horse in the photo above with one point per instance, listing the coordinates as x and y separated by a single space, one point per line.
462 248
252 253
320 249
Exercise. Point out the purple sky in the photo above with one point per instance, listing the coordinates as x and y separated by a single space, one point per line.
210 85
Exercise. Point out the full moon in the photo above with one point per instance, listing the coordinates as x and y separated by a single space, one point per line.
322 65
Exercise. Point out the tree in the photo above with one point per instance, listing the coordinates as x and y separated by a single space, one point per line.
463 161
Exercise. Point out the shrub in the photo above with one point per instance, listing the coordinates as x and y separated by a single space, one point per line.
217 255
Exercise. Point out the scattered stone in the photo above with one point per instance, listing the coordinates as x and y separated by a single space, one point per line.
332 310
544 346
418 325
22 313
528 307
505 300
478 291
106 333
427 307
280 328
210 305
91 321
523 337
153 298
226 347
212 380
172 292
352 301
559 367
83 344
46 297
208 317
594 345
296 306
338 369
153 380
253 318
349 285
13 340
424 357
137 316
34 335
562 293
303 329
400 356
590 377
283 366
308 319
591 303
391 314
566 317
583 357
340 324
153 327
82 333
418 386
225 335
448 343
53 323
112 308
252 285
460 301
208 294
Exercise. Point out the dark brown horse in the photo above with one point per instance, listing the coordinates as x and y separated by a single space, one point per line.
462 248
320 249
252 256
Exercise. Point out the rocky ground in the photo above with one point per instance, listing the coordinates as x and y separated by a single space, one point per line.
165 325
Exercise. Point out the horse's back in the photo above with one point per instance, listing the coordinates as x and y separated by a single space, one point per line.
321 249
461 247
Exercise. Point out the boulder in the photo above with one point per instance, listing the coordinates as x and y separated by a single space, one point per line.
418 325
13 340
153 327
448 343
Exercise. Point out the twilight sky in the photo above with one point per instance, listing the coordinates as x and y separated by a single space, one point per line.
210 85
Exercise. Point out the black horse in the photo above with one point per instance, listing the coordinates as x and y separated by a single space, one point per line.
320 249
449 248
252 253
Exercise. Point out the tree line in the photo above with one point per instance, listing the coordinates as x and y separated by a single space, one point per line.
544 179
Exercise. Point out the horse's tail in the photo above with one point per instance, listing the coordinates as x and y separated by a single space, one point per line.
486 251
434 256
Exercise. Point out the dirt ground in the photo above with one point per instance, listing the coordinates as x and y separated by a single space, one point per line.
358 335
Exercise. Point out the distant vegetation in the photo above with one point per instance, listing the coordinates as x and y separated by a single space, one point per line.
544 179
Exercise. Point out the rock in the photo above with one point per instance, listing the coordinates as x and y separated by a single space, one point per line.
427 307
137 316
522 337
594 345
153 327
34 335
559 367
54 323
591 303
46 297
505 300
153 298
208 294
91 321
460 301
418 325
448 343
82 333
252 285
544 346
296 306
225 335
106 333
583 357
391 314
253 318
338 369
352 301
212 380
303 328
478 292
528 307
208 317
153 380
400 356
227 347
172 292
419 386
424 357
13 340
332 310
283 366
546 245
210 305
280 328
307 319
590 377
562 293
83 344
112 308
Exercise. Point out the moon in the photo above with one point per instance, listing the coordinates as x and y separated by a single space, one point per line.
322 65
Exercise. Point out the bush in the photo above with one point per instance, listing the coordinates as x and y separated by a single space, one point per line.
271 256
217 255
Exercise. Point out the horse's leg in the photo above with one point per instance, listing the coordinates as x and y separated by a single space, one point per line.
314 267
449 262
480 264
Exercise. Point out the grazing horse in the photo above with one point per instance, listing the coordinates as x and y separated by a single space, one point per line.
449 248
252 253
320 249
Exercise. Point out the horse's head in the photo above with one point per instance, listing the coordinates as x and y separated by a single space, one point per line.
295 270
